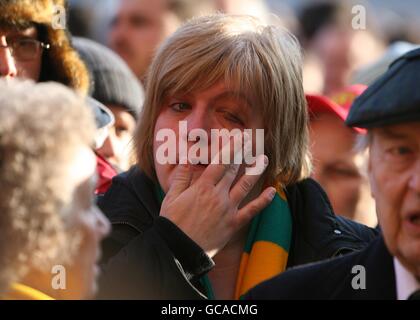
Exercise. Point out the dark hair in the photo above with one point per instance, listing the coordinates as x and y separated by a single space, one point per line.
316 16
48 72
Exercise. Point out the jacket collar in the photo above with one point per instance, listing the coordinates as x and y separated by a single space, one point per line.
144 189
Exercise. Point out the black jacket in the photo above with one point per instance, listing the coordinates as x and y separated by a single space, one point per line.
148 257
335 278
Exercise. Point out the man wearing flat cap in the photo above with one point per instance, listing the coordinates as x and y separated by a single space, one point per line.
389 268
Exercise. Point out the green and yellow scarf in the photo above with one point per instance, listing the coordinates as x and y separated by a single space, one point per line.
266 249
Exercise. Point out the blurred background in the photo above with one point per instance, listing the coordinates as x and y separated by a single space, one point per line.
335 53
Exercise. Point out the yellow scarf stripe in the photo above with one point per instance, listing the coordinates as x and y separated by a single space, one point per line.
266 260
21 292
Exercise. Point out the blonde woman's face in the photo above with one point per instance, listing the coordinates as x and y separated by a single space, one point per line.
88 221
214 108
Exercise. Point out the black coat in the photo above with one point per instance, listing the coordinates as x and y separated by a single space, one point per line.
148 257
335 278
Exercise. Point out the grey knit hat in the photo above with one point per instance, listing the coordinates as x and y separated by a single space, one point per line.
112 80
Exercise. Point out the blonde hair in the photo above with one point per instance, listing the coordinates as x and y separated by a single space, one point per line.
261 62
41 125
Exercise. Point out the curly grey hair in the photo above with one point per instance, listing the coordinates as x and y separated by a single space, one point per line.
41 126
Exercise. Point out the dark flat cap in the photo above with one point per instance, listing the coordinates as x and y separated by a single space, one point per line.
392 99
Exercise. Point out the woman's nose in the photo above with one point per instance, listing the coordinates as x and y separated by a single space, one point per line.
108 149
199 119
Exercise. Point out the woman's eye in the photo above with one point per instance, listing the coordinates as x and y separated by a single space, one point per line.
119 130
231 117
180 106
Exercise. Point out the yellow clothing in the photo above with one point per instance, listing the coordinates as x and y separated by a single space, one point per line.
21 292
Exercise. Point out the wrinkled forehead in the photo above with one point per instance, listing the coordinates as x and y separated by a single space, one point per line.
404 131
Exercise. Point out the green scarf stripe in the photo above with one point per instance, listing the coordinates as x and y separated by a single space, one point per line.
273 224
252 233
276 224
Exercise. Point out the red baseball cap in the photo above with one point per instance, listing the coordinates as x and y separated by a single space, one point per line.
338 103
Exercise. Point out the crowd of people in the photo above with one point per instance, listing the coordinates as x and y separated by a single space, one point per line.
91 208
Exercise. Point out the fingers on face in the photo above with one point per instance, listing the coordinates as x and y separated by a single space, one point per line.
245 184
181 181
249 211
221 165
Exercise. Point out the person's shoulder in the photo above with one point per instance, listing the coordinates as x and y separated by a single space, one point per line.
365 274
131 200
131 206
128 177
318 233
315 281
120 190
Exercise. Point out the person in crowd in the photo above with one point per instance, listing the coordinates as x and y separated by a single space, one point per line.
50 229
32 48
194 229
140 26
115 86
337 165
389 268
332 36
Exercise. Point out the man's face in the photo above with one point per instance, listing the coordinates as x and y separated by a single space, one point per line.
335 163
13 64
88 222
394 170
138 29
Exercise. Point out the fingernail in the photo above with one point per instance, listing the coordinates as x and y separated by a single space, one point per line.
265 160
273 193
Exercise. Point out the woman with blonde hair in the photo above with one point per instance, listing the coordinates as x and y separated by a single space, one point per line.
188 228
50 229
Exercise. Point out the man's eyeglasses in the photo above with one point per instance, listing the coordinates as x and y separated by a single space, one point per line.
25 49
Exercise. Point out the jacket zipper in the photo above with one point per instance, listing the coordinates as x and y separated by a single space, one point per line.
126 223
